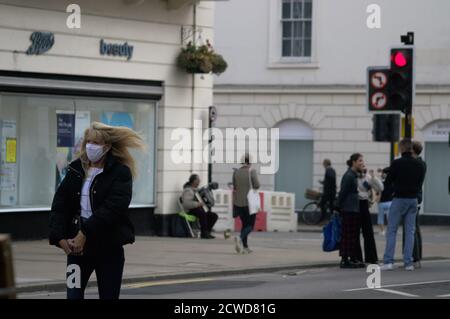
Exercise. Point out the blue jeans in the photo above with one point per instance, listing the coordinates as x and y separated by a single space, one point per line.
383 209
248 222
406 208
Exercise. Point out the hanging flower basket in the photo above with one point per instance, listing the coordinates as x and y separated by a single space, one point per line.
201 59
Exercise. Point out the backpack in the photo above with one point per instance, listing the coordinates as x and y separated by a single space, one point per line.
332 234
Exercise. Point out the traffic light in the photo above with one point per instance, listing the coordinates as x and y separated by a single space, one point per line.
386 127
401 79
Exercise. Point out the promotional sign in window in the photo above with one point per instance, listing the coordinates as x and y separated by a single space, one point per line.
70 133
8 167
118 119
66 129
11 150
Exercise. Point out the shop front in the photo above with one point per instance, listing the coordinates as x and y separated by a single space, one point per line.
43 118
119 68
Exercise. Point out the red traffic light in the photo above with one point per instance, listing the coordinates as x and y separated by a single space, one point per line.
399 59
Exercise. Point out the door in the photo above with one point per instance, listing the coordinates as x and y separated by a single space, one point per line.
436 196
295 172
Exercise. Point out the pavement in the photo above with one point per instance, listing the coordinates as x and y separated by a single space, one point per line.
40 267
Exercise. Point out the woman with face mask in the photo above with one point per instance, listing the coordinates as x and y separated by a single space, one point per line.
89 216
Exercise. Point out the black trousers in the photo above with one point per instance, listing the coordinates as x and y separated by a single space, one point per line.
370 248
108 268
417 250
207 219
351 229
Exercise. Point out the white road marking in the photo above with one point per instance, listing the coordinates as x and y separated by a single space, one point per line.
402 285
443 296
434 261
395 292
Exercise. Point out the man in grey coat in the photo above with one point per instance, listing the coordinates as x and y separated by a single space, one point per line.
241 184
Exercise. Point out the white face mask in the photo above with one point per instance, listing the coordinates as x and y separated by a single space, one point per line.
94 152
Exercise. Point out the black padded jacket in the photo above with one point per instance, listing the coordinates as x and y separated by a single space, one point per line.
110 195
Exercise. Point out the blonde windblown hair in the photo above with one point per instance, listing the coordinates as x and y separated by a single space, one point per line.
119 138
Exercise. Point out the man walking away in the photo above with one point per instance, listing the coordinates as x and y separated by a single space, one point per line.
417 251
406 174
244 179
329 189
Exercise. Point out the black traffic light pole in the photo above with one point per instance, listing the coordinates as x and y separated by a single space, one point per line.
408 39
212 115
392 151
209 142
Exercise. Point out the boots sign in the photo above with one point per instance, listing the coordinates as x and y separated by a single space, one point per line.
41 42
122 50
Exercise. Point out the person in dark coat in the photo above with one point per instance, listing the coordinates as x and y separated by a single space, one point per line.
329 189
348 202
89 216
406 174
417 250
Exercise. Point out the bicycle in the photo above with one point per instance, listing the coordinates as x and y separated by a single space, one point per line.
312 213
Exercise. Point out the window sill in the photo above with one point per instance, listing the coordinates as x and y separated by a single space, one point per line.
293 65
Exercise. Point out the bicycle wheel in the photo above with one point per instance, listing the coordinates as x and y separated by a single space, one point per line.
311 214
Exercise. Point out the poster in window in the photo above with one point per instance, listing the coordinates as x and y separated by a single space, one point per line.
8 165
65 135
11 149
118 119
82 122
65 129
71 127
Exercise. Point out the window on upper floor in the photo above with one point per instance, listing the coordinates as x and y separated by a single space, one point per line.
296 28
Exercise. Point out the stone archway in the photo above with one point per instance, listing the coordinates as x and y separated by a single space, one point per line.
311 115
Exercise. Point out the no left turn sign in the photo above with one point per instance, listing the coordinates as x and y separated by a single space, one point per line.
379 80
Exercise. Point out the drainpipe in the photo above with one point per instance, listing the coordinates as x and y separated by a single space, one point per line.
193 86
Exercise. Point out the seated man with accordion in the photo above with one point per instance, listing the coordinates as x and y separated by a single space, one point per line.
198 202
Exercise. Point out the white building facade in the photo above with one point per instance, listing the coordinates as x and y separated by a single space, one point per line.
300 65
118 68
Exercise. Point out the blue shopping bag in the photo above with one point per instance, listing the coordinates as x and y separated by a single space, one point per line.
332 234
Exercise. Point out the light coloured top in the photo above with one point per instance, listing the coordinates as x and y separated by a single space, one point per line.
373 182
86 210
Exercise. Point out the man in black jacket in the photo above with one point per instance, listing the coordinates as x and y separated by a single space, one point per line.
417 251
329 188
407 175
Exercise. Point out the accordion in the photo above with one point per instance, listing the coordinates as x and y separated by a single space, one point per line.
206 196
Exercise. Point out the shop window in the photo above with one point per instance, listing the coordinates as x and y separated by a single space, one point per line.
37 143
